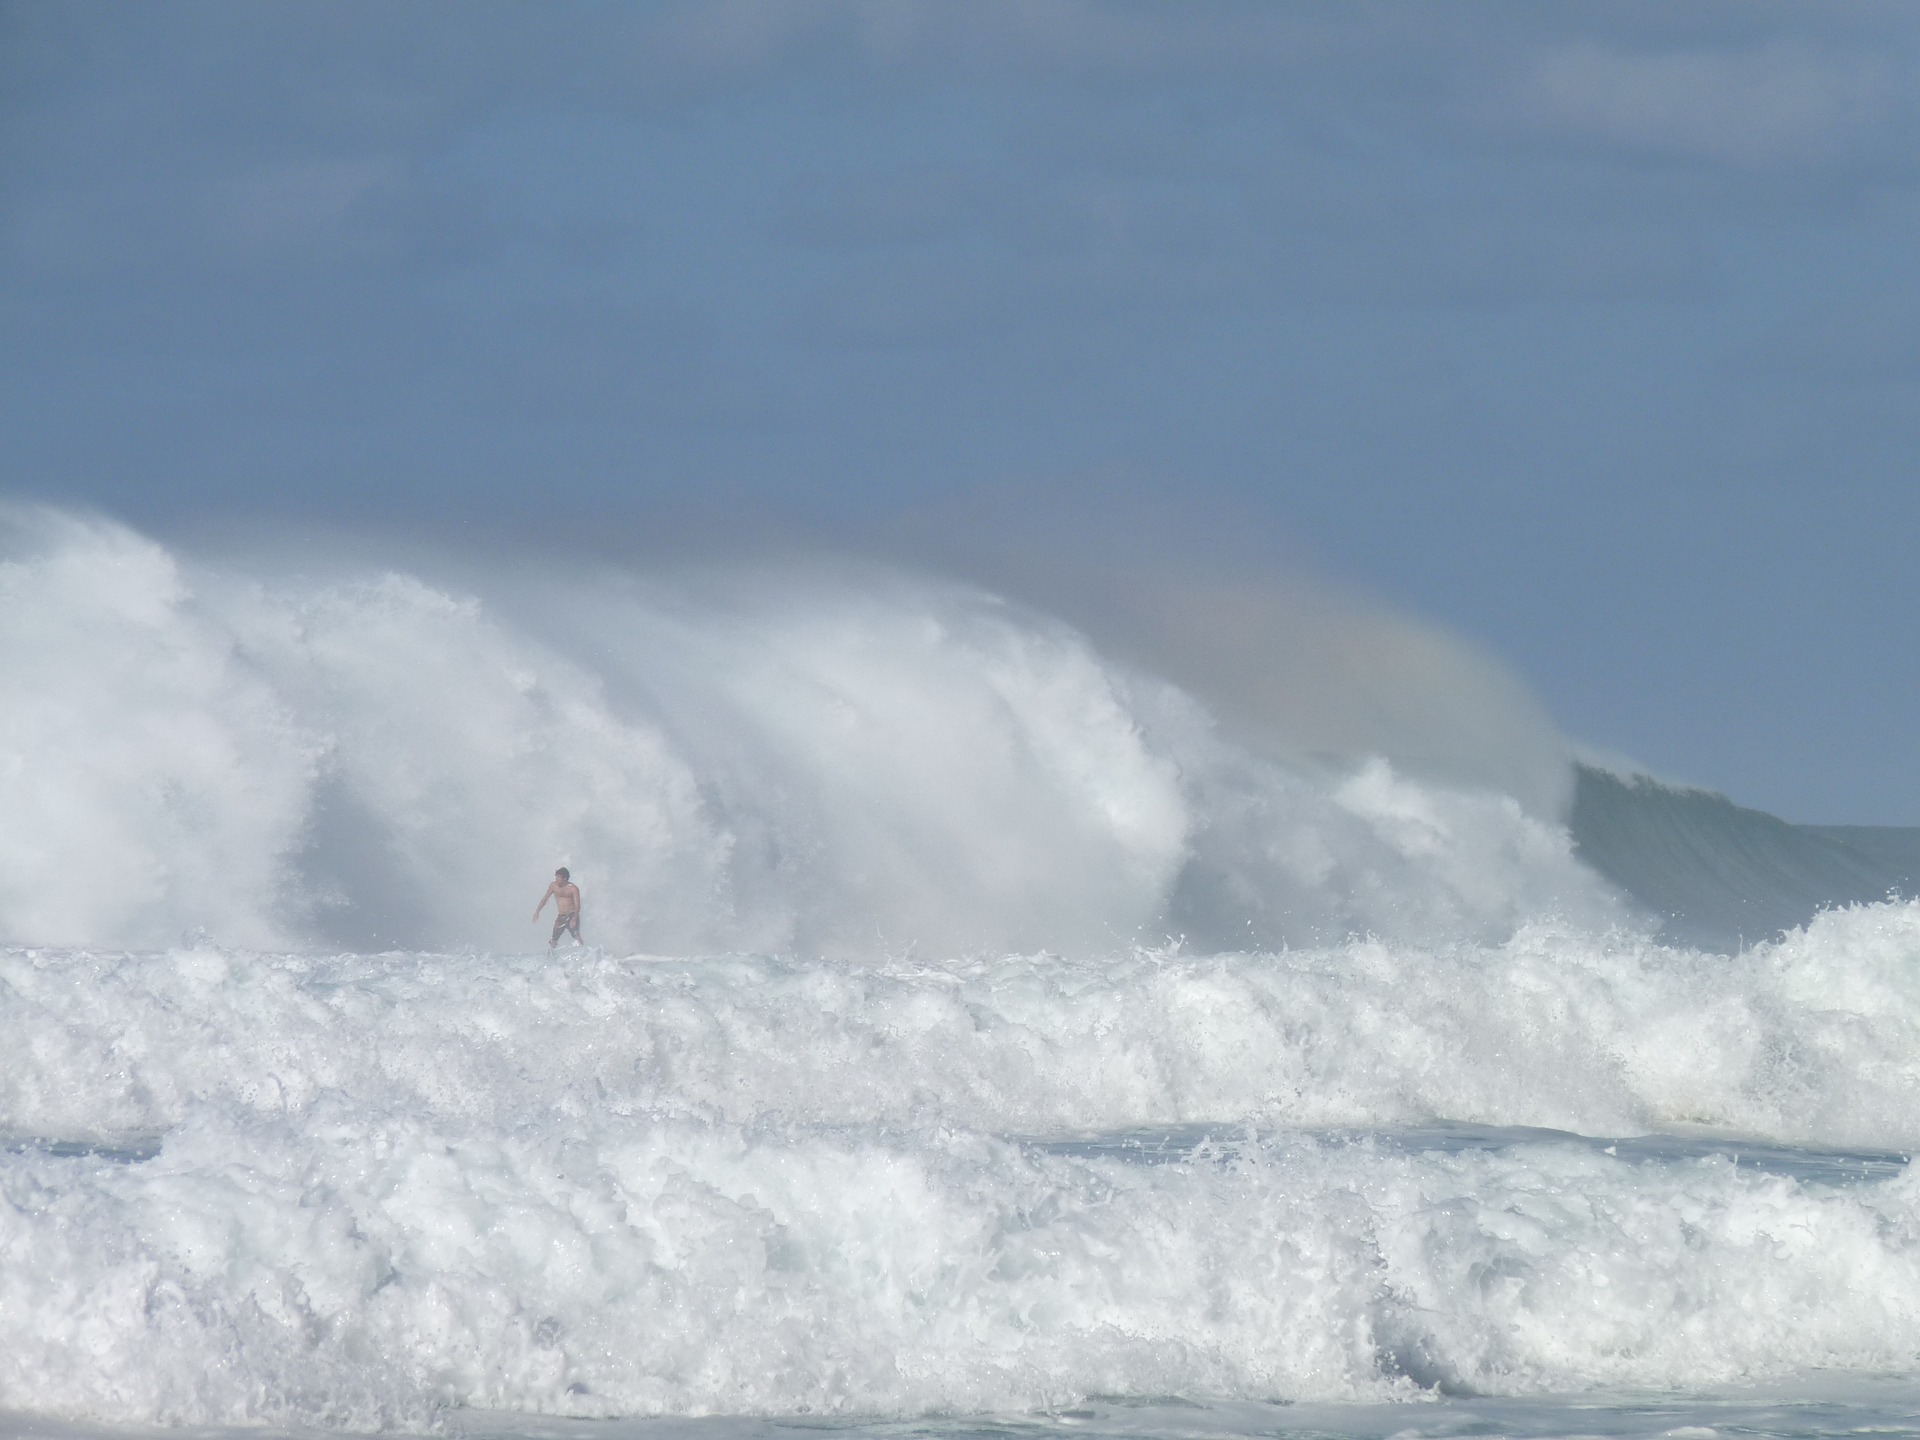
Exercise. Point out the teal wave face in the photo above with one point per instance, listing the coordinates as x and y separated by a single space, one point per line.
1719 876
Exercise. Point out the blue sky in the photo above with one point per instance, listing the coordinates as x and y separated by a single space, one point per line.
1589 331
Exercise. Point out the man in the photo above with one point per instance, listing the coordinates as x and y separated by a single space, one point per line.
566 907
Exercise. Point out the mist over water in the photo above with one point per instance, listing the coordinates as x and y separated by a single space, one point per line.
979 1017
822 759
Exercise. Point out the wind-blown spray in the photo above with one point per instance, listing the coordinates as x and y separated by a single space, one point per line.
845 762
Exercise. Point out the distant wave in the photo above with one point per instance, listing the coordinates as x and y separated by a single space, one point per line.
1722 877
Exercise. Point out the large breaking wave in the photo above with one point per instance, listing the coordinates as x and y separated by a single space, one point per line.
822 762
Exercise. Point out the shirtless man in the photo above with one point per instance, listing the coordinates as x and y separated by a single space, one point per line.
566 907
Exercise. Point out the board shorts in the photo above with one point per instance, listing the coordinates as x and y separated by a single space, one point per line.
563 923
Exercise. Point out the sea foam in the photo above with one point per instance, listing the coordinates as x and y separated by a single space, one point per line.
356 1190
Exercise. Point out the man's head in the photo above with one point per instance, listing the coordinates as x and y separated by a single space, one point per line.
561 874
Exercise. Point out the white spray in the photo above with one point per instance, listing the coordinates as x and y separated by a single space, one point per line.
845 763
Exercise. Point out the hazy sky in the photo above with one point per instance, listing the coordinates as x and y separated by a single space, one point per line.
1591 331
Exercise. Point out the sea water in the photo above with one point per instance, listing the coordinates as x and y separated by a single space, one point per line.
976 1039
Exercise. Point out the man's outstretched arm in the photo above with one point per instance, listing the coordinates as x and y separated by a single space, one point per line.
543 902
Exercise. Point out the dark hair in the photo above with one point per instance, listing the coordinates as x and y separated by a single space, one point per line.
563 873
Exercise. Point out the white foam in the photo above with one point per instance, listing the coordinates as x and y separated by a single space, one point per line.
1811 1040
331 1266
355 1190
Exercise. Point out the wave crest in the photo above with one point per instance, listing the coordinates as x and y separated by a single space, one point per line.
825 762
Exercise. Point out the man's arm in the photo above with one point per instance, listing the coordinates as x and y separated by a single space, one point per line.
544 898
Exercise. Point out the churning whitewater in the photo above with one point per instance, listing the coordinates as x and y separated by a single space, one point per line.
971 1025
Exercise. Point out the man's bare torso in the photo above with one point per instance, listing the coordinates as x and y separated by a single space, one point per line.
566 906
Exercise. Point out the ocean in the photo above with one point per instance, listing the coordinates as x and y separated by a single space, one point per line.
975 1038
